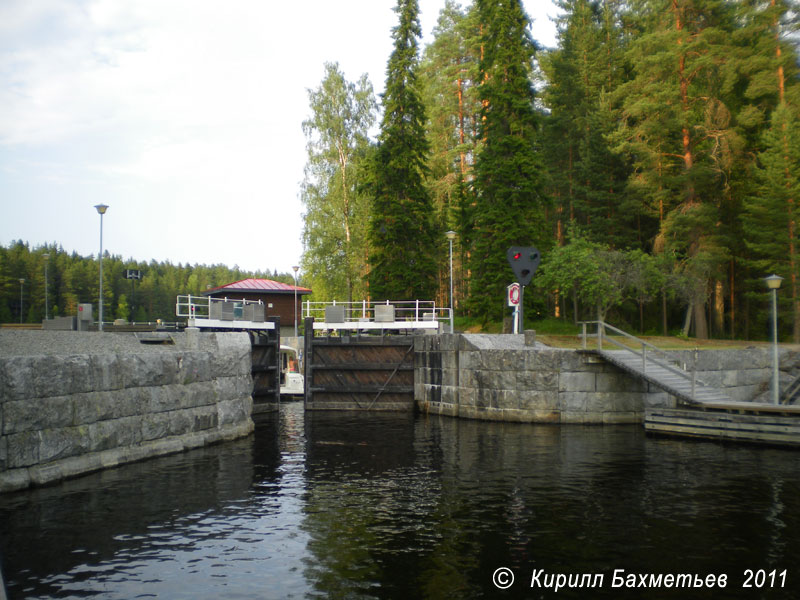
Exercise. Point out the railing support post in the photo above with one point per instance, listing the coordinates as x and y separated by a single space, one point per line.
583 334
600 328
644 358
694 370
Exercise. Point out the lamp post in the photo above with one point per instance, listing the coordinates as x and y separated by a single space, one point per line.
101 210
46 301
774 282
295 269
21 306
451 235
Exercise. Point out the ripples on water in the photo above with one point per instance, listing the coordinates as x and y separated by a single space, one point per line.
390 506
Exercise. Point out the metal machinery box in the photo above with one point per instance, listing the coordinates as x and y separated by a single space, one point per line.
222 311
384 313
85 316
334 314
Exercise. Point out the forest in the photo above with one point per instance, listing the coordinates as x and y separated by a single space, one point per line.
71 279
652 156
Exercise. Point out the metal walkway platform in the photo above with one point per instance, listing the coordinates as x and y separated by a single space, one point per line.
670 378
653 365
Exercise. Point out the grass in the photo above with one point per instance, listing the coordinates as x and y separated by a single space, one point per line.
564 334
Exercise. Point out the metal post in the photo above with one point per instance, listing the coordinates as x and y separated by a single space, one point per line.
775 371
450 237
21 305
46 300
583 334
295 269
644 358
101 209
600 328
694 371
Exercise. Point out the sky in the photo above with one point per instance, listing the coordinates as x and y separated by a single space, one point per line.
183 116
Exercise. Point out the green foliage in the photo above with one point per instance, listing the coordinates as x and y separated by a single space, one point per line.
74 279
335 222
402 234
510 206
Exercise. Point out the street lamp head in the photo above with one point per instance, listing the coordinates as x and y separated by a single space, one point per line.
101 208
295 269
773 281
451 235
21 280
45 256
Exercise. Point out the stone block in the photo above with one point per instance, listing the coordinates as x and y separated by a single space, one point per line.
61 375
14 479
23 449
106 373
467 397
537 380
617 381
233 411
752 376
193 367
105 435
154 426
469 360
205 417
64 442
36 413
576 382
180 421
163 399
572 402
16 378
538 400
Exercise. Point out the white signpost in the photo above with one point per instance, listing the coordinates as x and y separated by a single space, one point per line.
514 294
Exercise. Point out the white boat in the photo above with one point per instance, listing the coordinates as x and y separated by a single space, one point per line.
292 384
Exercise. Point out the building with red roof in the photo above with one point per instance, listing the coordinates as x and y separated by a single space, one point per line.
277 297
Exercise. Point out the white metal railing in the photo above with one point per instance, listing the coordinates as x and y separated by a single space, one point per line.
397 314
205 311
666 362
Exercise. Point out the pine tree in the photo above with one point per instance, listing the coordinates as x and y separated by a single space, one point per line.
588 178
510 207
449 71
401 229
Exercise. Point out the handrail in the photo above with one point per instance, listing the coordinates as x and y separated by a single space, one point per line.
416 311
670 364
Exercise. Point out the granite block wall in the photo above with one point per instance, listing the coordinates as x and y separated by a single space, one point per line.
498 377
75 402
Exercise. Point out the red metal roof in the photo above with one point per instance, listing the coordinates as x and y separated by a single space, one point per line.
257 285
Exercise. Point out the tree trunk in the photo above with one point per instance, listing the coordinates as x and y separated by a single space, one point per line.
687 322
700 321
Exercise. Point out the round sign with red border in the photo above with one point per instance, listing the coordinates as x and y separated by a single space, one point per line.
513 294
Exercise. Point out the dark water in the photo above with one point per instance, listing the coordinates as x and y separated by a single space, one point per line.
394 506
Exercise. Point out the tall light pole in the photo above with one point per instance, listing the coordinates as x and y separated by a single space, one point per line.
101 209
774 282
21 306
295 269
451 235
46 302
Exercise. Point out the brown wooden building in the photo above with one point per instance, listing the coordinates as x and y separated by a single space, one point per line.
278 298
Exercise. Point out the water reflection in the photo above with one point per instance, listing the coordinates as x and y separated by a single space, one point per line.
350 505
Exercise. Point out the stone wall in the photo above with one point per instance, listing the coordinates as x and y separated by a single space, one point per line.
498 377
75 402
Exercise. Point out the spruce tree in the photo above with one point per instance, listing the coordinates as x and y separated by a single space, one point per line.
401 230
510 208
